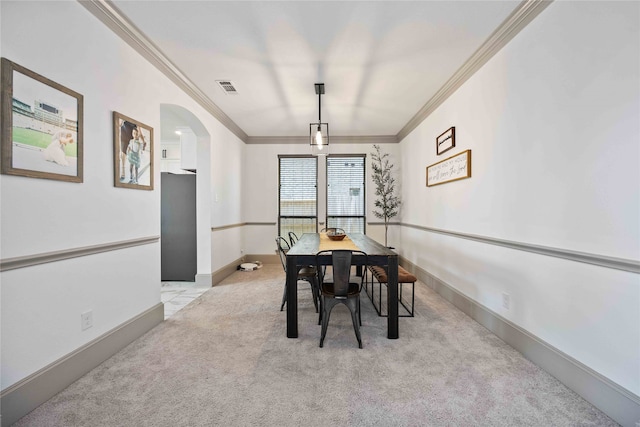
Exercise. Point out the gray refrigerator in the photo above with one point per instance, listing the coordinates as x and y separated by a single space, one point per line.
178 244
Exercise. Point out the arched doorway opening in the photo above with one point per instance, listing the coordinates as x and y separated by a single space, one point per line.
174 118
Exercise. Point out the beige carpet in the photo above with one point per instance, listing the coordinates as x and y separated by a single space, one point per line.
225 360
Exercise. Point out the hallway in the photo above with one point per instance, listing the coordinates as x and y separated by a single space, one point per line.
176 295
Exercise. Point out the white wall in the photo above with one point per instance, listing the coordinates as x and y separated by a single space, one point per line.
226 199
553 122
260 190
188 150
41 305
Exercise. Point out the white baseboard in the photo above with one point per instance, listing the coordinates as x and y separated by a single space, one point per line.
204 280
219 275
23 397
618 403
265 259
222 273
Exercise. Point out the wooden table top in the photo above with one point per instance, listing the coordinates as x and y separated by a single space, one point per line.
309 244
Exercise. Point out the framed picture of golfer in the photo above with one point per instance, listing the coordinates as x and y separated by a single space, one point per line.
133 153
41 126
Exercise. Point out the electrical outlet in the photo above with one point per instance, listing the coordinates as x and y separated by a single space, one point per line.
506 301
86 320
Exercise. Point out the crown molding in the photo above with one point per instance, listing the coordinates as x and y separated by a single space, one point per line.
360 139
510 27
278 140
109 14
115 20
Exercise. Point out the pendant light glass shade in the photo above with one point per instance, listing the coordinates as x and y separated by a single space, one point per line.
319 138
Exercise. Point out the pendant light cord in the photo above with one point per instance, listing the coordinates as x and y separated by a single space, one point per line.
319 109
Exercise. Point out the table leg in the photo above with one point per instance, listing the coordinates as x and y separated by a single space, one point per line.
292 297
392 300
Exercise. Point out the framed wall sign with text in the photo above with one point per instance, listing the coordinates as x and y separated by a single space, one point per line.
452 169
446 141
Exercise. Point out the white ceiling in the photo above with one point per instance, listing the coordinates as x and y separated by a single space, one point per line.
380 61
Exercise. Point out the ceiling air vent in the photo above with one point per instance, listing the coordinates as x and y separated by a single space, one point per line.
227 87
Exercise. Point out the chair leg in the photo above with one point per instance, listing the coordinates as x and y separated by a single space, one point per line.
326 313
284 296
366 280
355 312
379 298
314 291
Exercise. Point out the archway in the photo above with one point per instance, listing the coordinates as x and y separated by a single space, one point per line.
173 117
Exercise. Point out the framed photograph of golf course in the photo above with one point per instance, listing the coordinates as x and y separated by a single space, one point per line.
133 153
41 131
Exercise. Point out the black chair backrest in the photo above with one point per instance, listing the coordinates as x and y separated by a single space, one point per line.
341 261
283 247
293 238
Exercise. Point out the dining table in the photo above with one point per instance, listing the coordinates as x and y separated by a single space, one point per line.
303 253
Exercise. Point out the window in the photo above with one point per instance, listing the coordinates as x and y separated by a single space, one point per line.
298 195
345 192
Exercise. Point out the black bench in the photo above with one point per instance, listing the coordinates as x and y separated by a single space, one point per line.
380 274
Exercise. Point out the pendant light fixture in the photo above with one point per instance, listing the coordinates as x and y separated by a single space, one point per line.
319 132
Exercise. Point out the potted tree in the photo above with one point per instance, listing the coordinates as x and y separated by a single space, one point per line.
387 201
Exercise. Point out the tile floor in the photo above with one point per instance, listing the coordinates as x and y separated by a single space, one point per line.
176 295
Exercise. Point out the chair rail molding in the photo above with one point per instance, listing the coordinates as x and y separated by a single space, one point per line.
242 224
226 227
43 258
623 264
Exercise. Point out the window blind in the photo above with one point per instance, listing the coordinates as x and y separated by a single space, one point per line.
298 204
346 193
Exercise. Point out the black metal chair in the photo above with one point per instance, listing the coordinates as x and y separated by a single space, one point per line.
293 238
341 291
308 274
